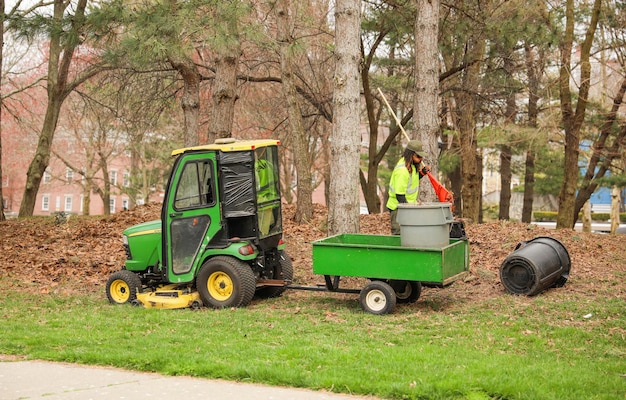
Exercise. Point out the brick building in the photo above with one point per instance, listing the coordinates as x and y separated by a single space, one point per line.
73 174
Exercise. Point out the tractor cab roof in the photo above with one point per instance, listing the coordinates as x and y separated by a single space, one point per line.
229 144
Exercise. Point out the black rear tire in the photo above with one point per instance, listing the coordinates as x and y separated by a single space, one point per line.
225 282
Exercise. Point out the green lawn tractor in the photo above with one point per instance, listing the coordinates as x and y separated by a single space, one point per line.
219 240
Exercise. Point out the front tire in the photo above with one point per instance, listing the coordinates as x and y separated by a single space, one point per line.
377 297
225 282
122 287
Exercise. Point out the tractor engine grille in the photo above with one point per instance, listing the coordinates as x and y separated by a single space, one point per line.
129 256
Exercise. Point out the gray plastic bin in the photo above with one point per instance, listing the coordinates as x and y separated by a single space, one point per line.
425 225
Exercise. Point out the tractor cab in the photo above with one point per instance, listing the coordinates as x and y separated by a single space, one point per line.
221 211
217 195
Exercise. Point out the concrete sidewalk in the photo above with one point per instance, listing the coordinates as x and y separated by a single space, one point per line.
52 381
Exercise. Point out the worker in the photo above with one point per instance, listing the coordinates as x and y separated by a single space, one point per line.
405 181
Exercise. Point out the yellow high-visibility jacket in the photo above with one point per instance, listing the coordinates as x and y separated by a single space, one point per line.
404 183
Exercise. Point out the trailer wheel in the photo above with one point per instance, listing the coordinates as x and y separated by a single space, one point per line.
406 291
122 287
225 282
377 297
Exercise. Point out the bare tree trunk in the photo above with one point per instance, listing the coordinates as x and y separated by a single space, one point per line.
2 216
145 187
376 155
86 200
90 172
284 26
615 203
326 172
370 185
343 212
191 98
505 148
106 192
534 70
134 173
470 169
225 89
426 124
286 177
573 119
59 59
479 184
529 185
505 182
505 162
587 217
456 185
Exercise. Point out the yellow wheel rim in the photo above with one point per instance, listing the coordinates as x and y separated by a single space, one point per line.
220 286
120 291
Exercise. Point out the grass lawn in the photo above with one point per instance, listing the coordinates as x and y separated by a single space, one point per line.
510 347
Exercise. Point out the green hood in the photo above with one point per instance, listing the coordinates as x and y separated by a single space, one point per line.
145 228
144 245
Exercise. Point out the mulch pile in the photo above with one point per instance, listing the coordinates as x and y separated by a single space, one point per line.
79 255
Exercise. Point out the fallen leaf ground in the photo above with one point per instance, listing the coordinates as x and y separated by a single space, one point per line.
78 256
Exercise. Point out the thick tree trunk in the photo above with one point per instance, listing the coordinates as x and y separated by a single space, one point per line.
426 124
225 88
343 211
2 216
42 154
573 119
300 142
470 169
191 98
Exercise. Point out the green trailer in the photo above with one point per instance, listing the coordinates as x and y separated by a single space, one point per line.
396 272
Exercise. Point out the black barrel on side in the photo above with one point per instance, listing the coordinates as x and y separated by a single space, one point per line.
535 265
